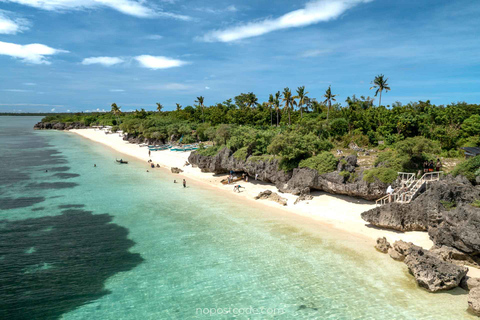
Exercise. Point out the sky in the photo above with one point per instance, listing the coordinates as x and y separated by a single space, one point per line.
83 55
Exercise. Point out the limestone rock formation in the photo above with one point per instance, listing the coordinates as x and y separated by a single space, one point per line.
269 195
59 126
468 283
176 170
397 216
474 301
383 245
431 272
455 256
399 250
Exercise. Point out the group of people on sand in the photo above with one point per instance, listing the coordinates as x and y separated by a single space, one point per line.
152 165
431 166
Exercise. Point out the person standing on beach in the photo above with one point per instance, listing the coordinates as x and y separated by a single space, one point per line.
184 183
390 193
149 153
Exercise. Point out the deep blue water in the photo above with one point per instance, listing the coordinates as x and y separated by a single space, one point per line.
116 242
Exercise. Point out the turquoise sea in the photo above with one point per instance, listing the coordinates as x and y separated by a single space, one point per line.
116 242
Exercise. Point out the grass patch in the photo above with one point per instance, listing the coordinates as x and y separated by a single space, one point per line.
475 203
264 158
448 205
385 175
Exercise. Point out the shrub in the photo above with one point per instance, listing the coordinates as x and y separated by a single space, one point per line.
469 168
385 175
265 157
323 163
241 154
211 151
476 203
448 205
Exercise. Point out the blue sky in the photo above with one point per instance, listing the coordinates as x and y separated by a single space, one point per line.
78 55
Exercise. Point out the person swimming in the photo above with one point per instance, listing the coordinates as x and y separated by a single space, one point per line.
184 183
94 165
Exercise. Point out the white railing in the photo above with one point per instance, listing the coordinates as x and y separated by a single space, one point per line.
410 187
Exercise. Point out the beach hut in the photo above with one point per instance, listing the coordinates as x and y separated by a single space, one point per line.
471 152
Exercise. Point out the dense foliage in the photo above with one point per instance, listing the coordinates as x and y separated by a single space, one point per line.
470 168
298 129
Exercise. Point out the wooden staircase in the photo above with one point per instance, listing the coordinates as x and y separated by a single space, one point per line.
411 187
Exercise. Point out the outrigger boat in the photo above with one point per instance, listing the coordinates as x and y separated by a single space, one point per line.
121 161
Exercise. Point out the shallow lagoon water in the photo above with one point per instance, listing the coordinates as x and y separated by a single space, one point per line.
117 242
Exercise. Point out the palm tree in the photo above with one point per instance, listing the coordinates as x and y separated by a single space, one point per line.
179 106
276 103
200 102
302 98
380 83
270 104
329 97
159 107
116 111
288 99
252 100
316 106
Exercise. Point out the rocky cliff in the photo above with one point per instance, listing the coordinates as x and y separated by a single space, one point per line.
346 180
59 126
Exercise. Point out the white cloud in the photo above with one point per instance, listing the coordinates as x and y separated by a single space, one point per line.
117 90
32 53
16 90
53 109
170 86
154 37
106 61
313 53
136 8
159 62
230 8
10 25
207 88
313 12
29 84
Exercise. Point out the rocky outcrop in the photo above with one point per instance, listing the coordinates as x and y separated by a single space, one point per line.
399 250
344 181
455 256
59 126
474 301
468 283
397 216
176 170
304 196
432 209
383 245
431 272
269 195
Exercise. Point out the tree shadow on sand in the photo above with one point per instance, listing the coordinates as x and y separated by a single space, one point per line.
52 265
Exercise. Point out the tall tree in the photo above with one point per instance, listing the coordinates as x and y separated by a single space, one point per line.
276 103
159 107
252 100
270 106
179 106
302 98
329 97
116 111
288 99
200 102
380 83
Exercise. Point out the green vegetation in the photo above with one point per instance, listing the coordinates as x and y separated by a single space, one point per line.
385 175
212 151
448 205
476 203
469 168
295 128
324 162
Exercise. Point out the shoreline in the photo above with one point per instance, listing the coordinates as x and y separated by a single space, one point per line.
334 211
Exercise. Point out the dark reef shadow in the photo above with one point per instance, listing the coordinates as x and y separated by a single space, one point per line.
63 175
52 265
71 206
14 203
52 185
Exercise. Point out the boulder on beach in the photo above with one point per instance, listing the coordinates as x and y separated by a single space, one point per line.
269 195
468 283
399 250
382 245
474 301
431 272
176 170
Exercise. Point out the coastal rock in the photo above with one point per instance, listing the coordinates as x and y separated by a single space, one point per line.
382 245
396 216
468 283
399 250
455 256
59 126
348 163
304 195
269 195
431 272
176 170
474 301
